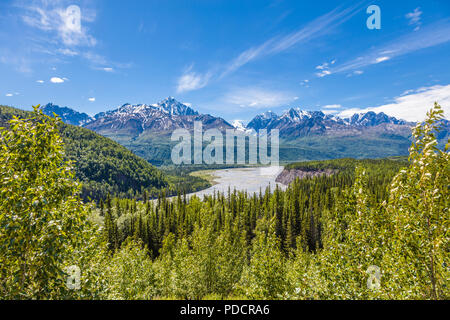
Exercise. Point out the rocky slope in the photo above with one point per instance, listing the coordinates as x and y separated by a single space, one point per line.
289 175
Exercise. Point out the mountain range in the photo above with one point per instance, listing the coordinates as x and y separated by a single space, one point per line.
304 135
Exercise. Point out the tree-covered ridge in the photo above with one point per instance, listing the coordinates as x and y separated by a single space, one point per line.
104 166
348 165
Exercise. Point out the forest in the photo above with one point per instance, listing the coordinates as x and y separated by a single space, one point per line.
106 168
376 229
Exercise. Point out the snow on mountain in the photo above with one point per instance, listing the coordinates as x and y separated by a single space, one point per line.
298 122
162 117
238 125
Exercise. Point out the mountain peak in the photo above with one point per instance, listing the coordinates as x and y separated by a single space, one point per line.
173 107
66 114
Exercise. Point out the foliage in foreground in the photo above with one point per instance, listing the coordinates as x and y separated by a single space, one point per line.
338 237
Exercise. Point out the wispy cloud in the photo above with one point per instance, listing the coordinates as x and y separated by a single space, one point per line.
323 73
100 62
430 36
258 98
324 68
415 18
411 105
60 32
61 19
92 99
191 80
68 52
19 63
332 106
305 83
315 29
12 94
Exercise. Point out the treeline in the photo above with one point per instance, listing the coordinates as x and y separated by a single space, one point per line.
379 233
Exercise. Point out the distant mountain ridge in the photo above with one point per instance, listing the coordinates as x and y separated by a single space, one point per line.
67 115
297 123
145 129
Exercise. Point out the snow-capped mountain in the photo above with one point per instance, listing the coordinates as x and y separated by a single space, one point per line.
173 107
296 122
262 120
67 115
373 119
160 118
169 106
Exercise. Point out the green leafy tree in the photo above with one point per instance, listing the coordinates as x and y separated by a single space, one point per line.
353 243
419 258
129 274
265 277
43 223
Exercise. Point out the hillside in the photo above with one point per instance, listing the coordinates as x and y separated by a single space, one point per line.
103 165
341 167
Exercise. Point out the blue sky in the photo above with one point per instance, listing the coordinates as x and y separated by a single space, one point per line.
229 58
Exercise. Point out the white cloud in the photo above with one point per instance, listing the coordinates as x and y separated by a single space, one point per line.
191 80
9 94
322 66
108 69
304 83
92 99
40 81
325 67
330 111
415 18
56 80
412 105
332 106
257 98
358 72
323 73
381 59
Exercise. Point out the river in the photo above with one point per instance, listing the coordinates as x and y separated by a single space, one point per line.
249 179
